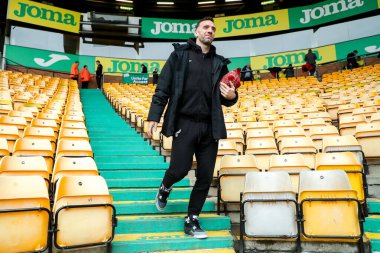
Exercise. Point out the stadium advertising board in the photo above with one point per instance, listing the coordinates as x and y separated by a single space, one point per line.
324 54
129 66
328 11
43 15
167 28
46 60
252 23
364 46
135 78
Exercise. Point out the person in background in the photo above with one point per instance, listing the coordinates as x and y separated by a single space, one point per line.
289 71
74 72
310 58
99 74
257 76
194 116
85 77
360 61
144 69
155 76
351 60
246 73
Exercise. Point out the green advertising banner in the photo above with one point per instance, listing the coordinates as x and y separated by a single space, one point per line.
168 28
364 46
46 60
239 62
327 11
135 78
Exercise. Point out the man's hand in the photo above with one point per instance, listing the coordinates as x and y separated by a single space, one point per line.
151 126
227 91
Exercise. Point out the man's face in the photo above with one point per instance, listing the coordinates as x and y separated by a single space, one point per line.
205 32
97 63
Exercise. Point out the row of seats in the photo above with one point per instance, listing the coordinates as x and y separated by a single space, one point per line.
49 180
233 169
326 209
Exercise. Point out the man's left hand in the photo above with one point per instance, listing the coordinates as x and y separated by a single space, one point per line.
227 91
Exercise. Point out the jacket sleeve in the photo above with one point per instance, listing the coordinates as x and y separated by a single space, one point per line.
224 101
162 94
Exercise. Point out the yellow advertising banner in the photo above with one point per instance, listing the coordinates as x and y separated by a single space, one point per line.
296 58
378 3
43 15
129 66
252 23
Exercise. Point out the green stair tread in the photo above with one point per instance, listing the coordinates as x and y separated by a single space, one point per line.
117 174
157 224
175 242
141 194
139 182
149 207
374 207
372 224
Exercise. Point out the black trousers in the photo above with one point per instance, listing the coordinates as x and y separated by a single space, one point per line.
84 85
193 138
99 81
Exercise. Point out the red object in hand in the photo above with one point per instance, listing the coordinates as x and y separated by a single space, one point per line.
232 76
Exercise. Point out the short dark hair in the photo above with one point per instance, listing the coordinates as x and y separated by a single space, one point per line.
85 66
97 61
355 51
204 19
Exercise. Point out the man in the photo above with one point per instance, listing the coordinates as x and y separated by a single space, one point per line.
99 73
310 58
144 69
74 72
85 77
351 60
190 79
247 73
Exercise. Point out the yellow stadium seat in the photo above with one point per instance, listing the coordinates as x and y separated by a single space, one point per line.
4 149
293 164
259 134
46 123
10 133
41 133
256 125
317 134
238 137
300 145
330 210
347 124
225 147
74 166
348 162
75 148
26 114
73 134
368 136
262 150
25 166
83 212
51 116
306 124
35 147
366 111
231 177
70 124
19 122
25 224
289 132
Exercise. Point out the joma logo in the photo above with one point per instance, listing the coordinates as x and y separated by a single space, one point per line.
329 9
167 27
45 14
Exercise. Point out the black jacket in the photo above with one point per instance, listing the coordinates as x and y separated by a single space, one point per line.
170 87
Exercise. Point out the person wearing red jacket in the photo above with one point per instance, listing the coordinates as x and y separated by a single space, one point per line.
74 72
85 77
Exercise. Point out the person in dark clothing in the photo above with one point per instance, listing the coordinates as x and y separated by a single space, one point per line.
310 58
246 73
155 76
289 71
99 74
190 80
351 60
144 69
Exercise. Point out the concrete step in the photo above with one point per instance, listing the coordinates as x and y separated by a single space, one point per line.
126 153
373 206
167 223
125 243
120 174
149 207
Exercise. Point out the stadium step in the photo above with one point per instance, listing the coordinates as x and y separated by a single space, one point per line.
148 242
159 223
133 171
372 225
133 194
149 207
146 182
